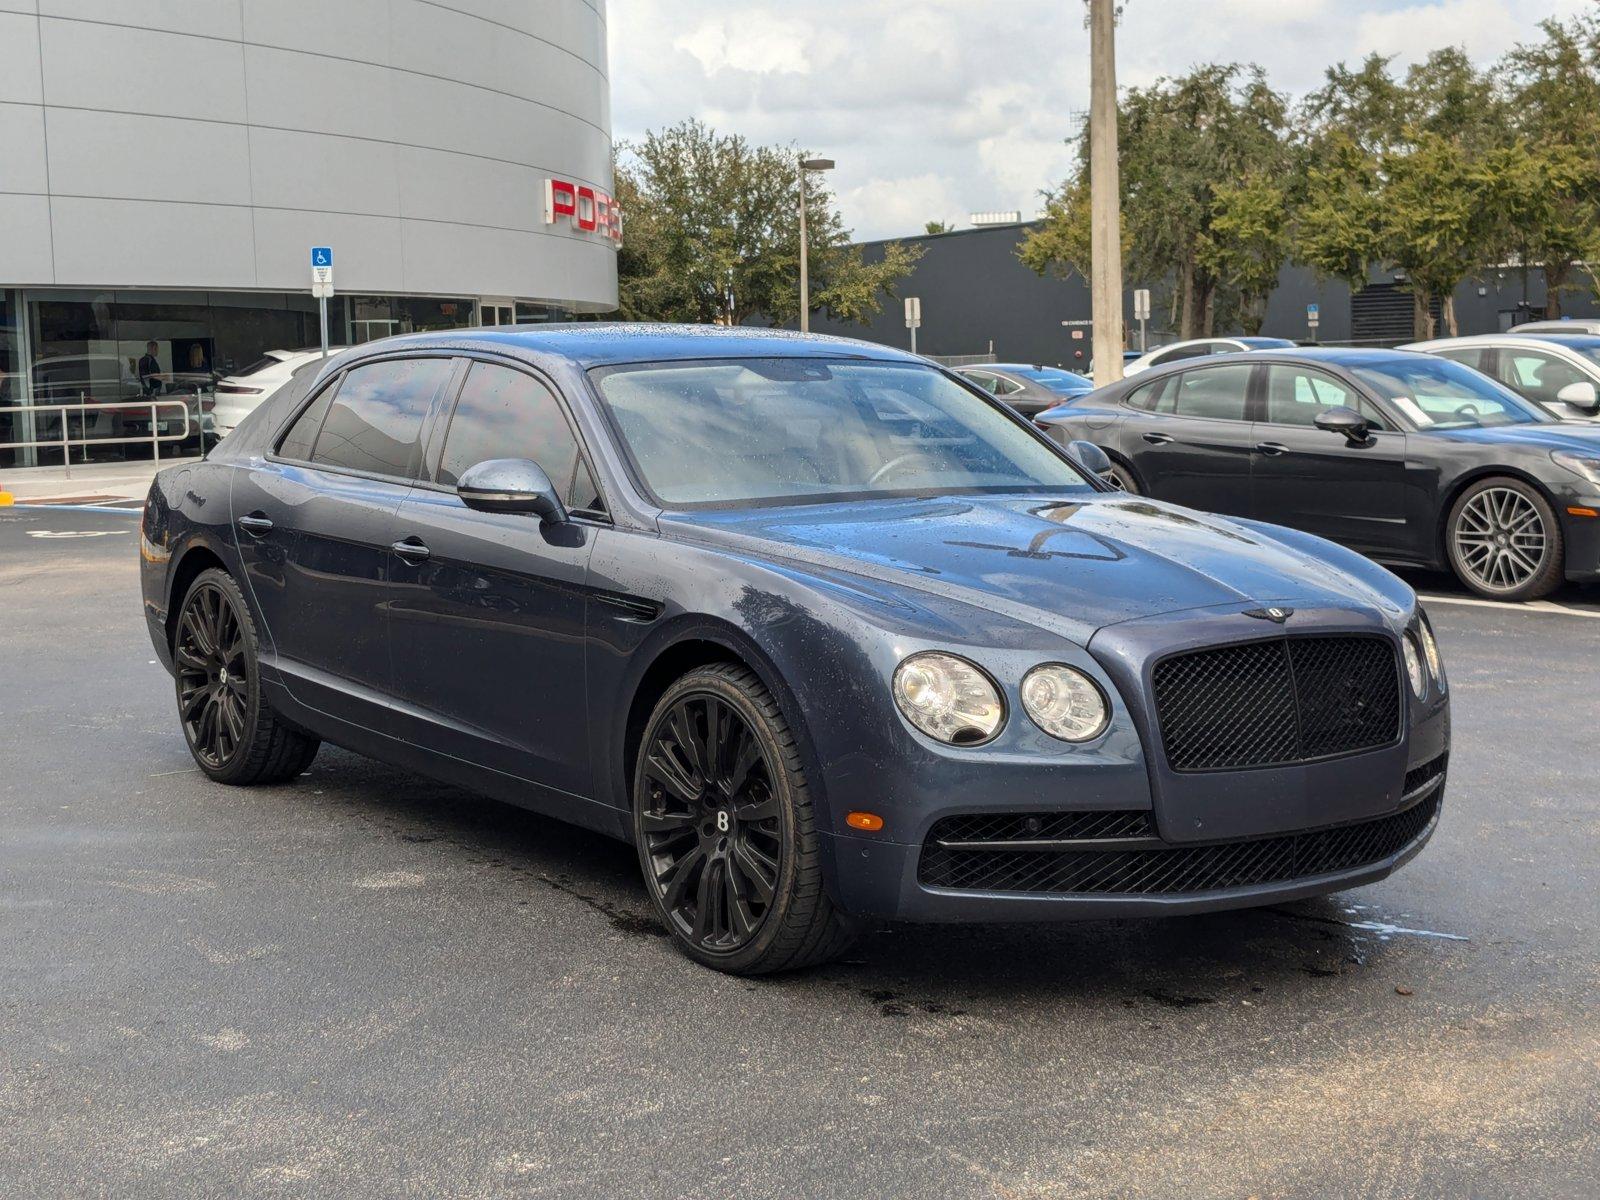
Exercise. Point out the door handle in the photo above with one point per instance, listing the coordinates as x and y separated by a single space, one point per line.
256 525
1272 448
1158 439
412 550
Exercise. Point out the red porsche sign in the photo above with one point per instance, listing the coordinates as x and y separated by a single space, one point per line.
586 209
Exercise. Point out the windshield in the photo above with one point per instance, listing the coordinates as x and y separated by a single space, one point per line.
1439 394
1064 382
752 431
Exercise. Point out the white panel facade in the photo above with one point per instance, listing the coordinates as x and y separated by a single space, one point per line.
210 143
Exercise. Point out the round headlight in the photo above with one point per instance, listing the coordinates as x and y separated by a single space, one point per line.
1414 664
948 698
1430 650
1064 702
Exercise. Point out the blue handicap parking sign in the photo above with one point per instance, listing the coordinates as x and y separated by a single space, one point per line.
322 256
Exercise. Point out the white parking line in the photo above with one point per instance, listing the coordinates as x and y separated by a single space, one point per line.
1544 607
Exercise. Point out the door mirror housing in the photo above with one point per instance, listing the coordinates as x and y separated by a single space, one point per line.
1091 458
1583 395
1346 421
511 485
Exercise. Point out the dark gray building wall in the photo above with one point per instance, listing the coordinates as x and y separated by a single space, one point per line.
975 291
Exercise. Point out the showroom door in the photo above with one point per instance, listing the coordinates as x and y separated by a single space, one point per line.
493 311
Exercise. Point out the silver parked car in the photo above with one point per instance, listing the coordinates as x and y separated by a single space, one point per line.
1560 374
1200 348
1561 327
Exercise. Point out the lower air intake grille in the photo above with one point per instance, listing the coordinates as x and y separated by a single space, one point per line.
1172 870
1275 702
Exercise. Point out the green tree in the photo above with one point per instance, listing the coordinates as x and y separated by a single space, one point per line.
933 227
1550 177
1404 174
1192 149
712 235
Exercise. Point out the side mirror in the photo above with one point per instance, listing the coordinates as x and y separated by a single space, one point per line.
1582 395
1091 458
1346 421
511 485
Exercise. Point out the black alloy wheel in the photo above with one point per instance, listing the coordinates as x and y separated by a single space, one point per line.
213 682
231 732
725 830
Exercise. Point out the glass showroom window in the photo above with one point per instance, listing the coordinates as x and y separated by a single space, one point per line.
373 317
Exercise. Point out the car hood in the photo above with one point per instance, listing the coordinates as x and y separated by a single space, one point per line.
1581 437
1072 565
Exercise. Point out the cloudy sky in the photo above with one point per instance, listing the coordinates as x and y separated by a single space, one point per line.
938 108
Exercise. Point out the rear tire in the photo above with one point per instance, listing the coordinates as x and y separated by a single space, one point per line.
726 831
1504 541
233 734
1122 475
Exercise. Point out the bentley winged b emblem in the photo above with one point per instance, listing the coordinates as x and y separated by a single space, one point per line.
1276 615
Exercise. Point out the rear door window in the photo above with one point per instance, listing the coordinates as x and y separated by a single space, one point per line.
1218 393
374 424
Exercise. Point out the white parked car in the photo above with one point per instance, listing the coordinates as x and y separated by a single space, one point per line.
241 393
1200 348
1560 374
1563 327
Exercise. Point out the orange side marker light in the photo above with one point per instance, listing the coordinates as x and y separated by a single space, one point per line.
871 822
1577 511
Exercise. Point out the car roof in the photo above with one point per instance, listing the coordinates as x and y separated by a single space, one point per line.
1568 341
598 343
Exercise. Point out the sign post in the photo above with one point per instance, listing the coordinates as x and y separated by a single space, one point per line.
1141 312
1313 319
322 286
913 318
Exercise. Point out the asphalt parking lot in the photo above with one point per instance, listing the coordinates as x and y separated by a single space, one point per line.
367 984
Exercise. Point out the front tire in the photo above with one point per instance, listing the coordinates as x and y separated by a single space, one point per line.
1504 541
231 732
726 831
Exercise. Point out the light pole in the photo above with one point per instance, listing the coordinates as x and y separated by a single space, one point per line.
807 164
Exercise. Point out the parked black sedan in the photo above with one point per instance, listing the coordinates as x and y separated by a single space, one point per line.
1026 387
824 632
1408 458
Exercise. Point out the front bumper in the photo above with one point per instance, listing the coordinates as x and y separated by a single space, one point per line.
886 879
1163 842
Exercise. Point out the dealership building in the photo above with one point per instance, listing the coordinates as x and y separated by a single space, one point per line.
166 167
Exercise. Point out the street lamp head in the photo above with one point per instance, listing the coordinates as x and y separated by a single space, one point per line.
817 164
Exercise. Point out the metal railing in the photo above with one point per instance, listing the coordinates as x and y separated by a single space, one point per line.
84 408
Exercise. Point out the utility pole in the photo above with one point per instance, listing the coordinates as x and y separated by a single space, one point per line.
1105 206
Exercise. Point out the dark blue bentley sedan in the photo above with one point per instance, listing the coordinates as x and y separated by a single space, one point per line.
824 631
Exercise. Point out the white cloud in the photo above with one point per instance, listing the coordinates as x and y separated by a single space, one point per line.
947 107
